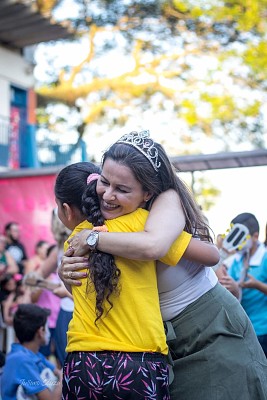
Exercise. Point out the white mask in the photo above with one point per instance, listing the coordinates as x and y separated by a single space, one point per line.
247 246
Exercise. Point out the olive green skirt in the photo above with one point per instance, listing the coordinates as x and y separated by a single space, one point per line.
216 353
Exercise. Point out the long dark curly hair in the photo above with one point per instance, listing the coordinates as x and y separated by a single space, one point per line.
71 188
103 271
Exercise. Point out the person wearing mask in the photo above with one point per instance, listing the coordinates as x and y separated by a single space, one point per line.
26 371
247 274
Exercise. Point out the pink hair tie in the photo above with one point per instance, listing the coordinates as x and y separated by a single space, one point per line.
17 277
92 177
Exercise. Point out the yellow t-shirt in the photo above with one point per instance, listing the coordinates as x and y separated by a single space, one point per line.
134 324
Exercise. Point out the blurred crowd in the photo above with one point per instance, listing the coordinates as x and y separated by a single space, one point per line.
32 280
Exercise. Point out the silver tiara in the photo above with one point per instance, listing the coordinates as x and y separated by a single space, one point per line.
142 142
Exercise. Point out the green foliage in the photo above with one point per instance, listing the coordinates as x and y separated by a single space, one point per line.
205 194
256 58
186 8
204 59
189 112
246 15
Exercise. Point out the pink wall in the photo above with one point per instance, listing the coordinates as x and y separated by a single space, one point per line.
28 200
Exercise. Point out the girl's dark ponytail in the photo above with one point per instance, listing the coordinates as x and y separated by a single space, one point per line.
103 272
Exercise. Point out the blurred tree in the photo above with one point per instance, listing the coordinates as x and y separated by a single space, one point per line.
203 59
204 193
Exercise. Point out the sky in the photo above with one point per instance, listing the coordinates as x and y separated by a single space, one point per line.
242 190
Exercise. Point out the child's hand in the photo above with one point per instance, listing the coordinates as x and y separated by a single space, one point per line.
250 283
230 284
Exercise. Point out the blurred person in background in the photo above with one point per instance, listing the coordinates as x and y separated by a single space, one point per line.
7 262
35 263
13 293
14 245
26 372
49 266
246 277
47 299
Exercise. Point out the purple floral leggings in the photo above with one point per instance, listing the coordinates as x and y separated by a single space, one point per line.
115 375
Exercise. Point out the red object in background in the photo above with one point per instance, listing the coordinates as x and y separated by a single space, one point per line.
28 200
31 107
14 137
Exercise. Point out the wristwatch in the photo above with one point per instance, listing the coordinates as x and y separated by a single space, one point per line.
92 240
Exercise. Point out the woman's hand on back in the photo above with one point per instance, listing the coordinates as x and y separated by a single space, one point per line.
70 268
78 243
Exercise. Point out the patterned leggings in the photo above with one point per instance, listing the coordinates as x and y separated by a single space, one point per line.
115 375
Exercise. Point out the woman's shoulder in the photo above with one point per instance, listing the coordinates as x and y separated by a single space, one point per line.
138 213
132 221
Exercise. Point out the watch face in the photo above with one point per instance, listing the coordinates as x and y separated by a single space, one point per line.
91 240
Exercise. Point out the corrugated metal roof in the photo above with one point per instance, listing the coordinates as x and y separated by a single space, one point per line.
202 162
22 25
